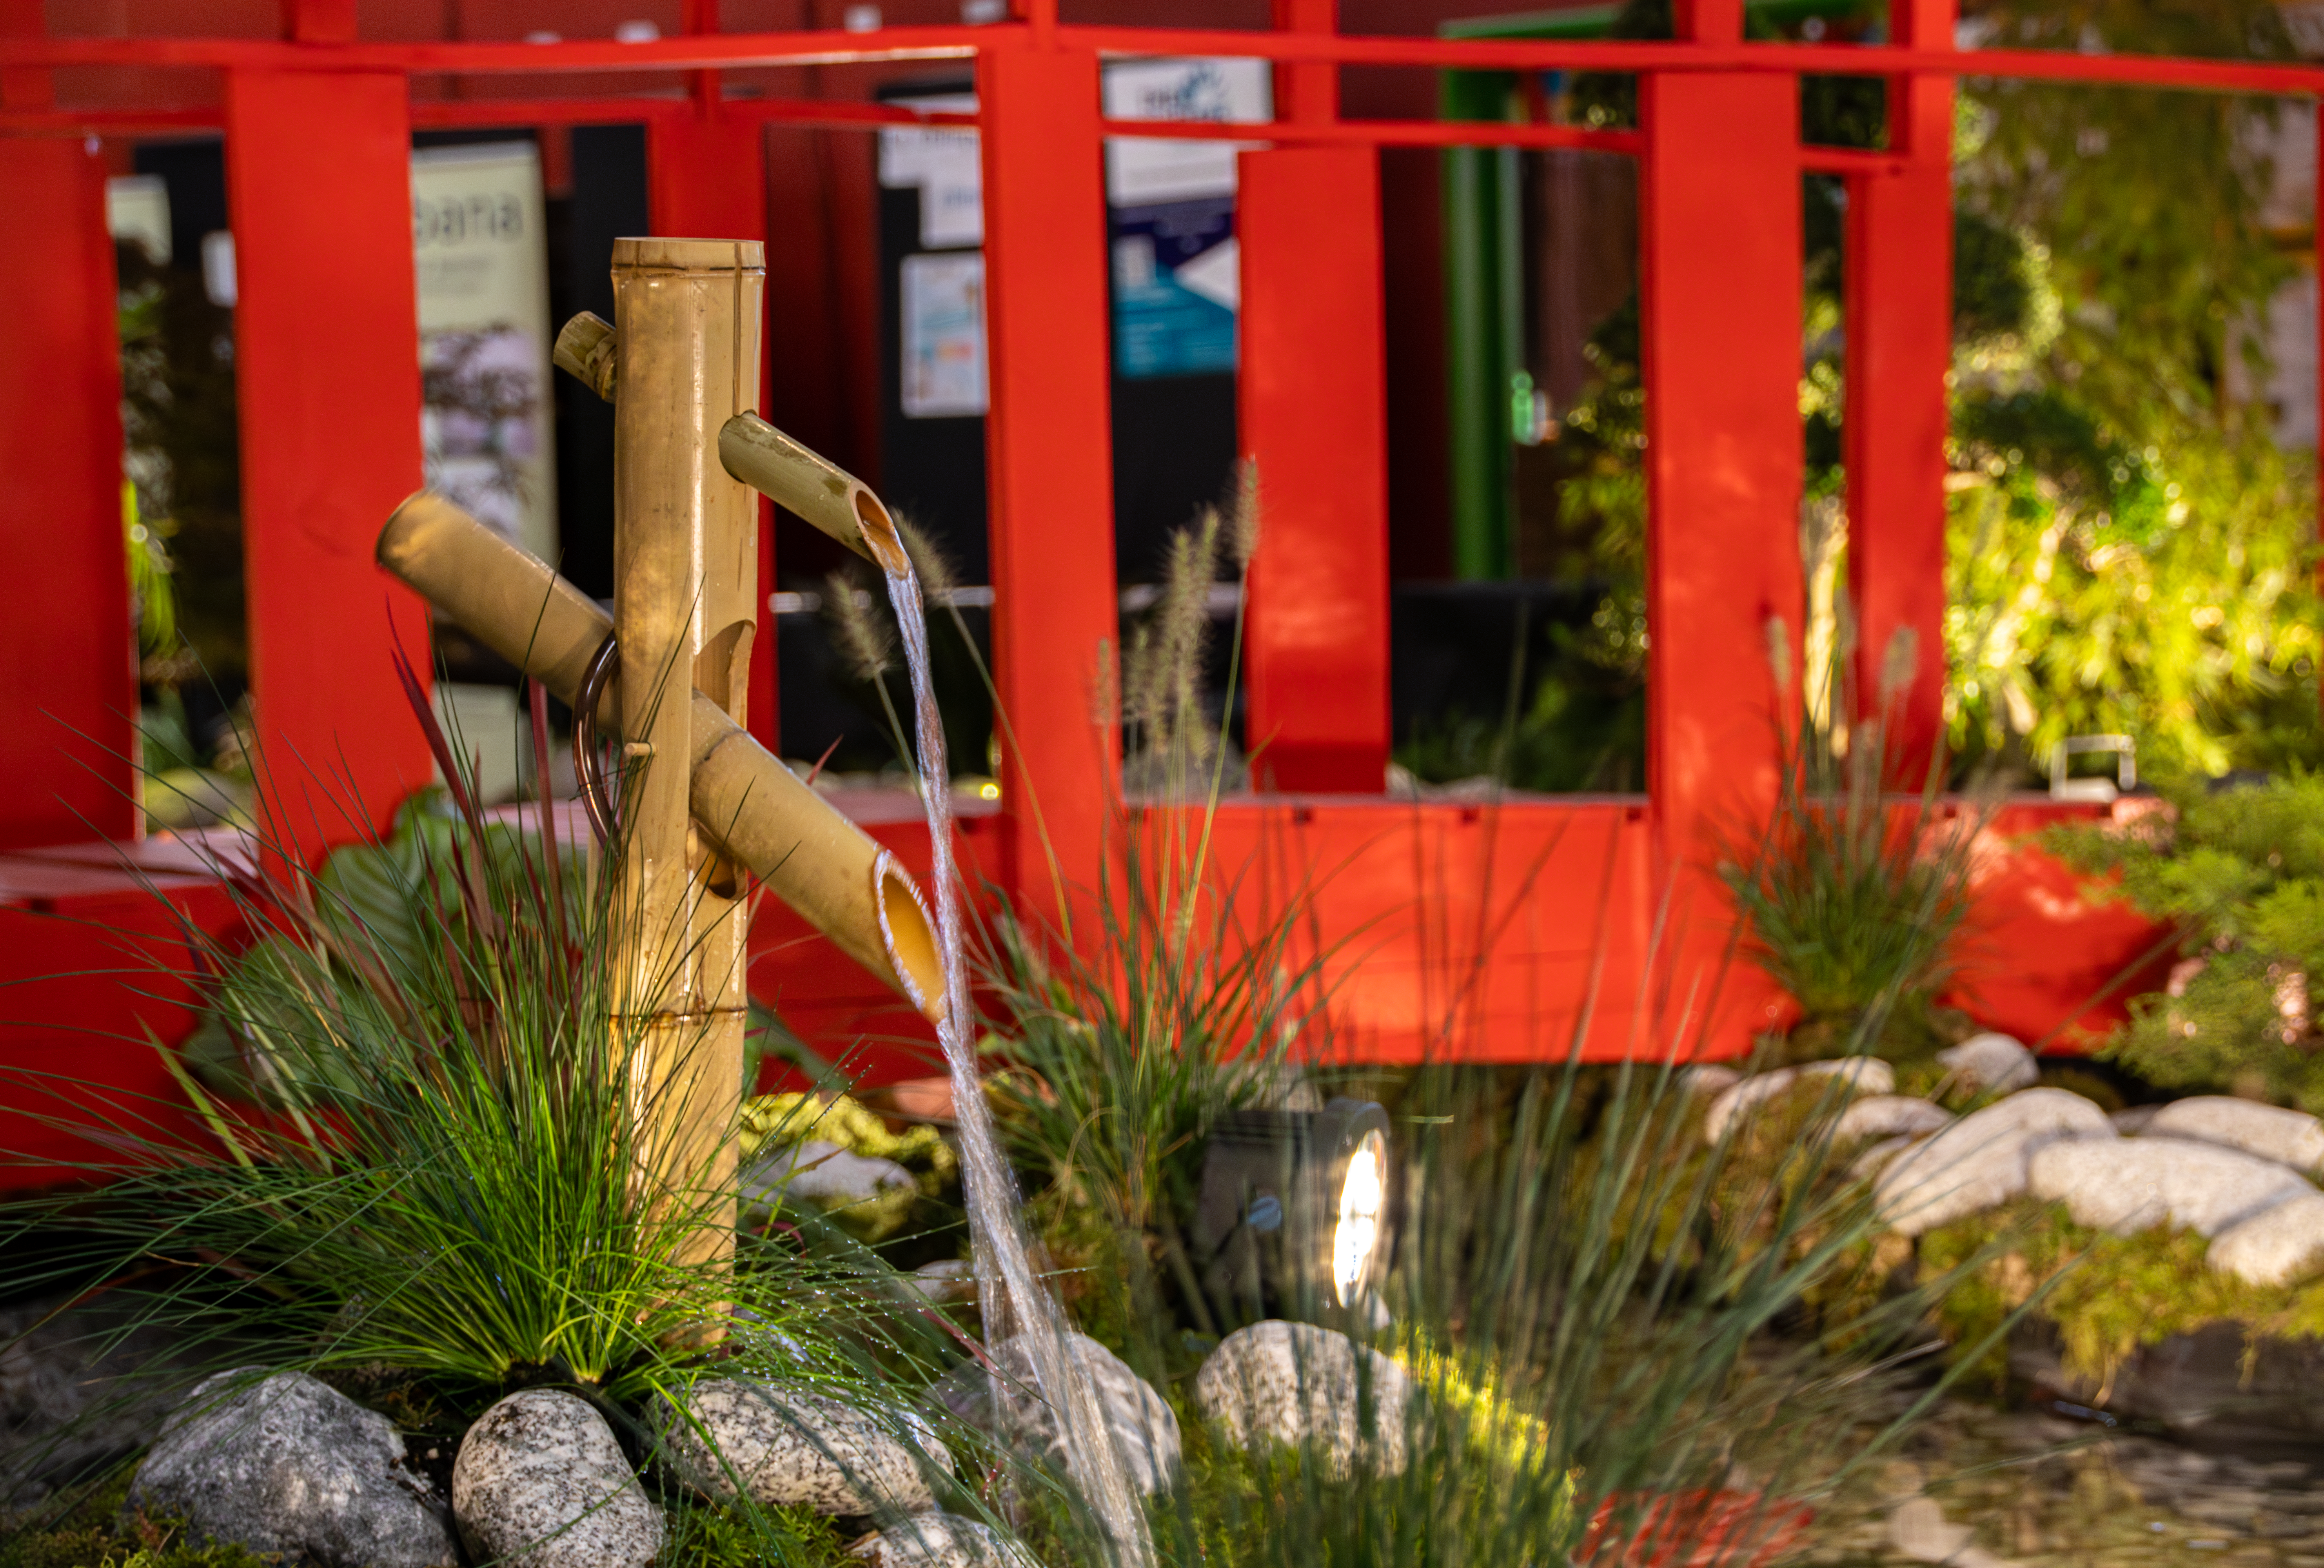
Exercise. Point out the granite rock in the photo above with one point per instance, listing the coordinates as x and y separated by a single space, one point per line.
1858 1076
793 1448
1890 1116
2292 1138
2127 1185
1302 1386
2277 1245
940 1541
288 1464
1145 1430
1980 1162
1991 1063
540 1474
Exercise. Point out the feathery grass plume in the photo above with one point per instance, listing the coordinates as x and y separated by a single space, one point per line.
1243 514
1162 681
937 576
458 1188
867 640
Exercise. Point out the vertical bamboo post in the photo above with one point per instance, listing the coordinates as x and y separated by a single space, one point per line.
685 544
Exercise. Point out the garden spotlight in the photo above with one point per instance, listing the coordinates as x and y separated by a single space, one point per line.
1293 1213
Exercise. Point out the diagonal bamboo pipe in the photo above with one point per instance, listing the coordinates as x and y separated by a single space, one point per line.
756 809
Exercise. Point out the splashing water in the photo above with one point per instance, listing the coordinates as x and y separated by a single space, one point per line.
1013 1300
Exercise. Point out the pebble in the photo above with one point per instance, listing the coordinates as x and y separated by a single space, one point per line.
1857 1075
2275 1246
2292 1138
1991 1063
287 1464
792 1448
1980 1162
941 1541
541 1474
2127 1185
1302 1386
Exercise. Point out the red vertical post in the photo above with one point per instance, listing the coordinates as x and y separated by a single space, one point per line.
1313 406
1720 238
1899 288
68 652
1050 464
707 178
319 172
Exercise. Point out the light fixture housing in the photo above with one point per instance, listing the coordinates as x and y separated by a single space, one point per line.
1293 1218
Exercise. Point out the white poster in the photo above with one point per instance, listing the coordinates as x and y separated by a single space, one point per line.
483 270
1144 173
944 165
944 335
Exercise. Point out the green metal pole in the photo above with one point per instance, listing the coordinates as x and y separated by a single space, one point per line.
1481 279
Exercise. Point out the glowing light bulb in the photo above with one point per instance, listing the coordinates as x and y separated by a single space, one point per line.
1357 1236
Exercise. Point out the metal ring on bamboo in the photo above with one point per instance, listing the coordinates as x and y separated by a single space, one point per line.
587 771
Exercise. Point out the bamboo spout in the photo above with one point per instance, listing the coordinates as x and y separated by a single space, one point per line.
811 485
759 812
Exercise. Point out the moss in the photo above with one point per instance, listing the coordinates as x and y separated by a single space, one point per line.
709 1537
2107 1296
98 1531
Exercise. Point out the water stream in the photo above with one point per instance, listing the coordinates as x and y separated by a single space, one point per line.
1013 1301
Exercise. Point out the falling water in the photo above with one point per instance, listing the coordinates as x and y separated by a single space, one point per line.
1012 1299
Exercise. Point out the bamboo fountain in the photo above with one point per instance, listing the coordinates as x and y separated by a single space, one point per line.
702 801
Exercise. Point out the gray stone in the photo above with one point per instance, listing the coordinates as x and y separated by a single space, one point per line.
946 1280
941 1541
540 1474
81 1388
1991 1063
1890 1116
1145 1430
289 1464
1857 1075
793 1448
1708 1078
825 1175
2275 1246
2292 1138
1302 1386
1978 1162
2126 1185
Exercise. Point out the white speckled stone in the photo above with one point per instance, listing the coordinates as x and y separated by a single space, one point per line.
1890 1116
1708 1078
822 1173
289 1464
1145 1430
2126 1185
2292 1138
1978 1162
1991 1063
941 1541
539 1474
792 1448
1296 1384
2275 1246
1858 1076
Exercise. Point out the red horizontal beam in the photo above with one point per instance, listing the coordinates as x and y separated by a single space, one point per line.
1377 132
829 47
108 122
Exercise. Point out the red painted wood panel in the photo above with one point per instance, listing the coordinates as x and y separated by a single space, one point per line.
1048 440
319 172
1720 247
67 650
94 956
1898 283
1312 401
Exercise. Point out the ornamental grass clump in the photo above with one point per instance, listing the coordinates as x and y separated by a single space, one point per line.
1855 898
459 1184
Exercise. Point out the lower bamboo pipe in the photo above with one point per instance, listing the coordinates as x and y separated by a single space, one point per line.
757 810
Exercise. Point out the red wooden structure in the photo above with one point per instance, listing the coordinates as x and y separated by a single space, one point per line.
1465 927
